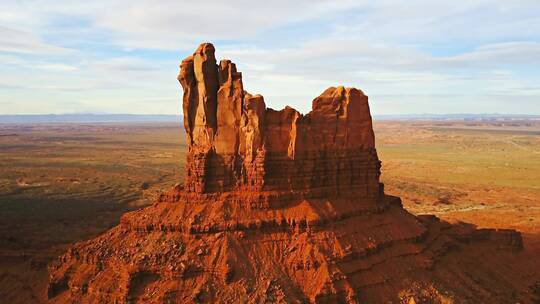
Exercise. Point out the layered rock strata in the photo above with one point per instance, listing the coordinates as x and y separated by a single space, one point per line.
280 207
236 143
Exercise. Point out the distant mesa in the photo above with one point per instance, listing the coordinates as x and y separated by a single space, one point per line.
281 207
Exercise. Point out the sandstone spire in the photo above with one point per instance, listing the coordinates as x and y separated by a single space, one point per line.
199 79
329 151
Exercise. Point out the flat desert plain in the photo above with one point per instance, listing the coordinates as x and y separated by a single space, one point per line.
63 183
486 173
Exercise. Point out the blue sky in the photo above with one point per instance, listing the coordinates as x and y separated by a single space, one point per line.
409 57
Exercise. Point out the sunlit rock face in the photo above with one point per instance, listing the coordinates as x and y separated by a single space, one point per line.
236 143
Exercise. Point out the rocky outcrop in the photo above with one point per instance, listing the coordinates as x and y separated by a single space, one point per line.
281 207
237 144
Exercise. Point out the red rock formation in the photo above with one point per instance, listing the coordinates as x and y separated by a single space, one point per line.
282 207
236 143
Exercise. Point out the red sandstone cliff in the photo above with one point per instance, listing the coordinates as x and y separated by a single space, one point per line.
236 143
280 207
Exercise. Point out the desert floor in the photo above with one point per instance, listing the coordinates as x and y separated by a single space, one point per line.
63 183
483 173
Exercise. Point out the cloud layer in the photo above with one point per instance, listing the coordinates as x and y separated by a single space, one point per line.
409 57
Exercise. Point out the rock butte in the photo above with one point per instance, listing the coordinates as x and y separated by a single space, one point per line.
238 145
280 207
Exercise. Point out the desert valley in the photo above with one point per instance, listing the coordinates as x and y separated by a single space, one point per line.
272 206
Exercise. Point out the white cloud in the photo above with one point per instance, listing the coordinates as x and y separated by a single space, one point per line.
124 64
17 41
99 54
56 67
498 54
171 24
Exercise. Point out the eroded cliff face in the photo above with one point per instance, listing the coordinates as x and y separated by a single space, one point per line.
237 144
280 207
